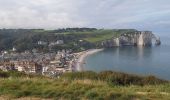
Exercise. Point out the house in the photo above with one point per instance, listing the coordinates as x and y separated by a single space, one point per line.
28 67
7 66
58 42
42 43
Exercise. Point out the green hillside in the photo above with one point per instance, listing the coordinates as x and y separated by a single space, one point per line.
83 85
27 39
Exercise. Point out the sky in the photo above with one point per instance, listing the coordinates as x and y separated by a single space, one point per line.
151 15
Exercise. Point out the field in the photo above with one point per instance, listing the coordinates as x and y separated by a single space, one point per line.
99 35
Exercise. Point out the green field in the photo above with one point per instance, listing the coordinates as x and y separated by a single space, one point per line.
99 38
96 35
100 35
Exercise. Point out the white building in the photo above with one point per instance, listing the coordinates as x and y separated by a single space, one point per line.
42 43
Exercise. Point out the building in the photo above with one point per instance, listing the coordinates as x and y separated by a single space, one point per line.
28 67
7 66
58 42
42 43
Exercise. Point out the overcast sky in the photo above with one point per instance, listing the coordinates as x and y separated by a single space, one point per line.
52 14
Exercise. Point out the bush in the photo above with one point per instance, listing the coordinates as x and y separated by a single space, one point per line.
112 96
91 94
4 74
115 78
152 80
80 75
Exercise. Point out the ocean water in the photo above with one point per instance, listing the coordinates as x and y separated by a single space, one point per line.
153 60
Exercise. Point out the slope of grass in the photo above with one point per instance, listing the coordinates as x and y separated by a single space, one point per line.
86 86
98 35
102 35
99 38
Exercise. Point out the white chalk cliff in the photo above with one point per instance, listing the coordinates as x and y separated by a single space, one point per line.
138 38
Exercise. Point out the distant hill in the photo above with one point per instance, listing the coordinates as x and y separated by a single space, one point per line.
74 38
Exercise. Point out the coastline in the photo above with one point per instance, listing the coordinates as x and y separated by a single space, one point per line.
81 57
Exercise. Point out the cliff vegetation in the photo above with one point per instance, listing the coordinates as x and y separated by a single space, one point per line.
76 39
83 85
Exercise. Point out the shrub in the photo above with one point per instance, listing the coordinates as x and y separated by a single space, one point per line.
115 78
152 80
112 96
91 94
80 75
4 74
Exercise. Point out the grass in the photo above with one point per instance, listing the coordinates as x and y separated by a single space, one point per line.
93 36
102 35
78 89
97 35
99 38
87 87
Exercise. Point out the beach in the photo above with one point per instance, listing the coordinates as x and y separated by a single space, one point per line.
82 55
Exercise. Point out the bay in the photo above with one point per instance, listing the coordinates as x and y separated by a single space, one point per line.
153 60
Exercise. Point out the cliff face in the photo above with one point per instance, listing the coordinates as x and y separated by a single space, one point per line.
138 38
145 38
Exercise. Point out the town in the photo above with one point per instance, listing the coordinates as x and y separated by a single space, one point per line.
49 64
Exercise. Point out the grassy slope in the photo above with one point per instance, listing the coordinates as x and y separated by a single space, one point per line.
85 88
99 38
97 35
78 89
100 35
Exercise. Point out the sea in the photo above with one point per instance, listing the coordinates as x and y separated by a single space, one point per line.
154 60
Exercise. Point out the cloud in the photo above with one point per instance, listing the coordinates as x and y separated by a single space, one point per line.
52 14
39 14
